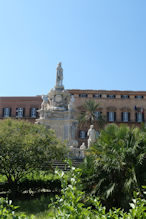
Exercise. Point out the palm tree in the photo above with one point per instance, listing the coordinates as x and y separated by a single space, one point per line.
89 116
117 162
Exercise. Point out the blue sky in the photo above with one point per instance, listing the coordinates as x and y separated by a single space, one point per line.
101 44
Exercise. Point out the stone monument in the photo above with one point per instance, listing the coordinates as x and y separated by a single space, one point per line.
82 150
57 111
92 135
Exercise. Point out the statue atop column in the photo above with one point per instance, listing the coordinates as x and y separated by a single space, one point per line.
92 135
57 111
59 75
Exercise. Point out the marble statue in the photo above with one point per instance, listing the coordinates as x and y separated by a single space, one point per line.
44 107
82 149
59 75
92 135
44 103
70 105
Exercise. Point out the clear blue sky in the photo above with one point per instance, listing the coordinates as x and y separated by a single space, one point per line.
101 44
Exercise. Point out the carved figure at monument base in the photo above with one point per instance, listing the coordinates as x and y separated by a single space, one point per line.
45 102
92 135
82 150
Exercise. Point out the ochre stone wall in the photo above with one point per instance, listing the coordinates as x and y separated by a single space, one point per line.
116 104
15 102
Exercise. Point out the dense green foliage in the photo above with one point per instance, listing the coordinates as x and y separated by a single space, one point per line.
7 210
32 186
33 182
74 204
115 165
26 147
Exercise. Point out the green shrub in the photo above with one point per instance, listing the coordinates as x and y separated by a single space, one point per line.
73 203
34 186
7 210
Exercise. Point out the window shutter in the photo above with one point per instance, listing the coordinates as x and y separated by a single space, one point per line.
16 112
79 134
136 117
114 116
86 134
3 111
129 117
23 112
108 116
143 117
10 112
122 116
30 112
37 115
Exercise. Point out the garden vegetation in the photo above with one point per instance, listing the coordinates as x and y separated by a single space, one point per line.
109 184
26 148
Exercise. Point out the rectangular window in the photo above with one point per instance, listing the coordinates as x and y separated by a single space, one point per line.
139 97
97 114
33 112
111 96
82 134
6 112
19 112
125 116
111 116
125 96
139 117
97 95
83 95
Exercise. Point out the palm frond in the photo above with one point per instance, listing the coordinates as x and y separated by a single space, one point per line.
110 190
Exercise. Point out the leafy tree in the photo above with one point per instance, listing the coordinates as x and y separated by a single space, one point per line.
115 166
26 147
89 116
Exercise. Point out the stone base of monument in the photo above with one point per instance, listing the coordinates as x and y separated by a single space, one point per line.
63 125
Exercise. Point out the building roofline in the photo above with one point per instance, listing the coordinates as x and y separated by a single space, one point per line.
107 91
89 91
19 96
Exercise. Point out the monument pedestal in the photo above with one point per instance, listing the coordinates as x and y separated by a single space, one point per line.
57 111
63 125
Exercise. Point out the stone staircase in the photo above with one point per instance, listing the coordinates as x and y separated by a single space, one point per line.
64 166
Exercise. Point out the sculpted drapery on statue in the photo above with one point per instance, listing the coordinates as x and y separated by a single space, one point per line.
59 75
92 135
